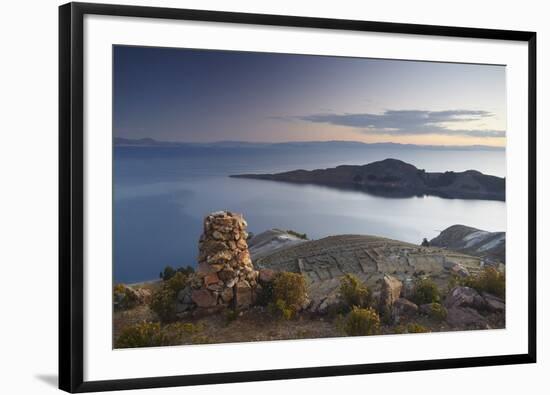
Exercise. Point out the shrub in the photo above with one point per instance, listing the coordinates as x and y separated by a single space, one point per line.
399 329
362 322
163 300
170 272
167 273
425 291
289 292
297 234
438 312
416 328
353 292
144 334
280 308
490 280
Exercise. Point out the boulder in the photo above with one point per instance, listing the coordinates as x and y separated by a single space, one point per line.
390 291
494 303
203 298
465 317
459 270
465 297
403 309
243 295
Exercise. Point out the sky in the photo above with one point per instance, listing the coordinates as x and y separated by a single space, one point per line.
188 95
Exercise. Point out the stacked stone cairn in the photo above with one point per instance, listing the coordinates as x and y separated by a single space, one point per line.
227 276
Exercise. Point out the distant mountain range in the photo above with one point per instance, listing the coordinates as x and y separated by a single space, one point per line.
395 178
149 142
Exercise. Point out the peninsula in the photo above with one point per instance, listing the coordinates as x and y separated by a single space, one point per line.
395 178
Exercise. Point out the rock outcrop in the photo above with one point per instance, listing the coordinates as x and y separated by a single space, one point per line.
225 268
472 241
392 177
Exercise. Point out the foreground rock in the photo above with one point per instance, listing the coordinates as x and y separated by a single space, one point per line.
225 268
461 238
392 177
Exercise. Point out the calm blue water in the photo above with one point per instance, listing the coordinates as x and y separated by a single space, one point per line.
162 194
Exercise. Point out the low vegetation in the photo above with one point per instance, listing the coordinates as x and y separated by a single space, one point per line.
426 291
169 272
143 334
490 280
163 301
288 294
413 327
353 292
362 322
153 334
438 312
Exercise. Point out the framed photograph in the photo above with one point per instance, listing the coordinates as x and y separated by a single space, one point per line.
238 188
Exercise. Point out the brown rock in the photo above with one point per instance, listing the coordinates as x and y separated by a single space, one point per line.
203 298
211 278
464 317
226 274
494 303
243 295
403 309
464 297
390 291
227 295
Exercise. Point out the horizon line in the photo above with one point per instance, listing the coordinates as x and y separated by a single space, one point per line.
304 141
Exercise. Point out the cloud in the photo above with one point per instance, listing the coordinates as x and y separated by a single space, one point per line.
410 122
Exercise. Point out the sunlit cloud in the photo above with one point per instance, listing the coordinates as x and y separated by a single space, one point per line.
412 122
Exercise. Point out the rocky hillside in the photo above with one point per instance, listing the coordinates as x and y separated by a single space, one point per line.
272 240
488 245
392 177
326 260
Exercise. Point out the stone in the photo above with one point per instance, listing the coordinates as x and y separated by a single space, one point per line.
220 257
465 317
403 309
227 295
203 298
266 275
465 297
494 303
243 295
211 278
407 291
226 274
459 270
390 291
217 235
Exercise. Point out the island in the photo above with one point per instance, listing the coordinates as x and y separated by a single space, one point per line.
395 178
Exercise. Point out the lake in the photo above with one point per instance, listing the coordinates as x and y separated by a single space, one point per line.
161 195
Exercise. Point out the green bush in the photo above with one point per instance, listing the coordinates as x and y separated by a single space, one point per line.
425 291
289 293
353 292
438 312
490 280
362 322
163 301
144 334
417 328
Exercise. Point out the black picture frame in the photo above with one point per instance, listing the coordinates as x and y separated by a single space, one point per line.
71 195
